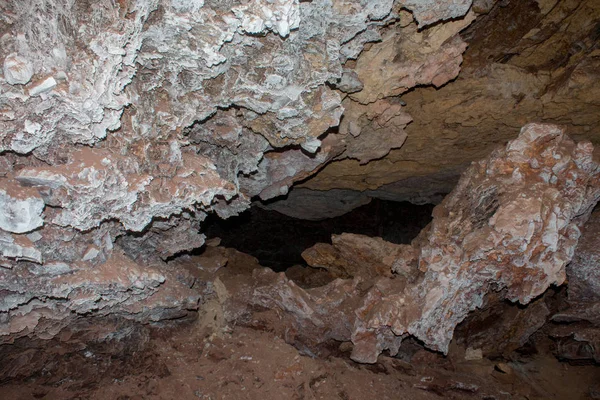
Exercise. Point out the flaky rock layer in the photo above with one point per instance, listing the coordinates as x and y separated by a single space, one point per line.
123 124
510 226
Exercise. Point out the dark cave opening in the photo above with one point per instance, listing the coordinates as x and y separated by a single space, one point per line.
277 240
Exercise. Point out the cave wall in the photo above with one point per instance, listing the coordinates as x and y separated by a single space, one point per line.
124 123
526 61
509 228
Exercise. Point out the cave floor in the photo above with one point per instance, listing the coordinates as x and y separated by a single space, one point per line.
248 363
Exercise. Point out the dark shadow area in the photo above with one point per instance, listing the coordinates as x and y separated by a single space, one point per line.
277 241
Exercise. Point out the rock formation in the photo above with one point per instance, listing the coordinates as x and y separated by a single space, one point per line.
511 225
125 124
579 340
526 61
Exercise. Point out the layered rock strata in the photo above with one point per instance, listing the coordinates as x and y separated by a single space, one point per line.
525 61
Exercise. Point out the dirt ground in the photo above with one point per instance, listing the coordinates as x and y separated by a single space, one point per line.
193 363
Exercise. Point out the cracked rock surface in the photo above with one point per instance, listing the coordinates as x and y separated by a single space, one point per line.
579 339
123 124
526 61
510 226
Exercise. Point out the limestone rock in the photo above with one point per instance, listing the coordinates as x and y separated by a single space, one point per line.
122 124
577 342
352 255
513 221
499 328
429 11
42 86
20 208
161 79
349 82
373 130
165 238
317 315
41 300
281 17
583 271
17 247
464 120
277 171
579 338
97 185
396 64
17 70
511 225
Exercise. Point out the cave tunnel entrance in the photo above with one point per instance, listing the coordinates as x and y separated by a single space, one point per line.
277 240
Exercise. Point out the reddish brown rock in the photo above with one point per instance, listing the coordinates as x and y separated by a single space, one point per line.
525 61
511 225
408 57
41 300
498 328
513 222
352 255
579 337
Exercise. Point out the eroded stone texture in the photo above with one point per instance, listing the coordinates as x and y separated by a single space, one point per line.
526 61
17 247
352 255
73 96
435 56
429 11
20 208
372 130
513 221
512 225
96 185
583 272
375 122
579 338
499 328
277 171
122 124
40 300
17 70
165 238
315 205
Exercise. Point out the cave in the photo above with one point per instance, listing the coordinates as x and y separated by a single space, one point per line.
277 240
287 199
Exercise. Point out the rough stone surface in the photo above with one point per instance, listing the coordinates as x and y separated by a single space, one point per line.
352 255
435 54
20 208
40 300
17 247
17 70
429 11
512 224
122 124
579 338
499 328
583 272
513 221
546 50
95 186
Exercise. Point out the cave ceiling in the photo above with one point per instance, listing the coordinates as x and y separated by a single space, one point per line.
124 124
